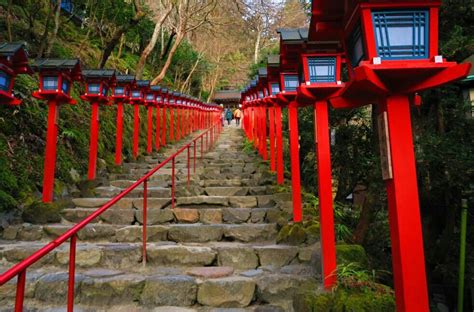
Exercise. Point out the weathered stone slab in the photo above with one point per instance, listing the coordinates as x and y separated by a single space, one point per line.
236 215
210 272
240 258
169 290
115 216
227 191
210 216
133 233
121 289
275 287
155 216
86 256
202 200
276 255
250 232
226 292
243 201
195 233
181 255
96 232
120 256
152 203
186 215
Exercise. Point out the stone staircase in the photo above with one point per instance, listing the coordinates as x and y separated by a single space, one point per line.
215 251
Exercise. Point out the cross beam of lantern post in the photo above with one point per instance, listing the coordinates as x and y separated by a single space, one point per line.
56 78
387 66
120 96
96 92
13 61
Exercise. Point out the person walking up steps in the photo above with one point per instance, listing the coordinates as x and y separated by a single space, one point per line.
237 116
228 115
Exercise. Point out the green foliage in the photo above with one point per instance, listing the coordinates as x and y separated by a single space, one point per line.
351 254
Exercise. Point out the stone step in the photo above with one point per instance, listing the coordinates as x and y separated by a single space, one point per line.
181 233
157 215
239 256
105 289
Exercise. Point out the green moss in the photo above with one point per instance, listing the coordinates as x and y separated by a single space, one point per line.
7 202
351 254
313 233
39 213
292 234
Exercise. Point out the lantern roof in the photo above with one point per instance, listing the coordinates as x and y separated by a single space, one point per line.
70 66
164 90
98 73
17 56
124 79
326 20
293 35
273 60
143 83
262 72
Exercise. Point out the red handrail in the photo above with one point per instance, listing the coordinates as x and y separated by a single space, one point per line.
20 268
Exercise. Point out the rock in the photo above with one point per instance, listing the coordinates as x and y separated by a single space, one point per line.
292 234
18 253
240 258
305 253
169 290
270 308
202 200
252 273
195 233
122 289
96 231
102 273
229 292
181 255
186 215
276 256
155 216
273 288
90 202
133 233
313 233
274 215
297 269
265 201
29 232
258 190
227 191
351 254
250 232
86 256
211 272
115 216
10 232
55 230
75 176
210 216
243 201
172 309
120 256
53 287
235 215
258 215
152 203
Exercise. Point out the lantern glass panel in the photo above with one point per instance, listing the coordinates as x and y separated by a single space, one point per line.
119 91
291 82
322 69
401 34
50 83
158 98
260 94
93 88
4 81
150 97
105 90
66 86
136 94
275 88
355 46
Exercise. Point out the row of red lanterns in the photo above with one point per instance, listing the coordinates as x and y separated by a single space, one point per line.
390 50
103 87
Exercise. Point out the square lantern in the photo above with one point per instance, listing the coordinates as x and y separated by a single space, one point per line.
98 83
392 31
56 78
138 91
122 86
289 82
321 68
274 88
156 94
13 61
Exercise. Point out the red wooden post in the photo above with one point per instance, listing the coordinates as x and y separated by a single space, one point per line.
264 133
271 117
279 146
295 161
136 129
158 128
20 291
328 240
171 124
178 123
404 211
118 139
50 157
72 274
163 134
145 208
149 146
94 138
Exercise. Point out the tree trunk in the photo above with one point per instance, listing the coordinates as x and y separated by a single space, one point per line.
110 46
57 15
188 79
257 47
44 37
151 45
168 46
9 20
213 86
159 78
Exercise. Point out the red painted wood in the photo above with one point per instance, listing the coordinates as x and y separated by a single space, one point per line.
94 141
179 111
326 215
119 133
279 146
158 129
149 146
50 155
271 120
264 133
136 129
171 124
295 161
404 211
163 133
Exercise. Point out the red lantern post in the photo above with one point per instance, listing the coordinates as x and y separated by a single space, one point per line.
392 48
150 103
98 83
13 61
120 96
56 78
137 99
